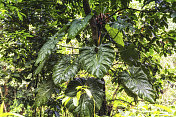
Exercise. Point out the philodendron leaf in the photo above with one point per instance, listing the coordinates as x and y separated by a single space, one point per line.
86 104
137 82
115 34
46 50
65 69
48 47
97 60
78 25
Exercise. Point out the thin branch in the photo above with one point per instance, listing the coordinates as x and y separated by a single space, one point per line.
92 21
122 101
115 92
130 9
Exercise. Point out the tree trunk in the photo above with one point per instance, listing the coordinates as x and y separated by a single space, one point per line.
92 21
94 29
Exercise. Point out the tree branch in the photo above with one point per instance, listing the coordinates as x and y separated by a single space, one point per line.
130 9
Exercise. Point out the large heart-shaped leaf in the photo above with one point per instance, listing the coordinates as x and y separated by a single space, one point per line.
97 60
86 104
115 34
137 82
78 25
65 69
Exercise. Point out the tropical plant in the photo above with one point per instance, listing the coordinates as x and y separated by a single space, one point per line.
111 39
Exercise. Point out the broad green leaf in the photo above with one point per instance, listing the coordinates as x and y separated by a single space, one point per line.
115 34
137 82
97 60
86 104
78 25
65 69
48 47
44 92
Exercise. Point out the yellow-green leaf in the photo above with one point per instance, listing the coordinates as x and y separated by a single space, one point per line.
65 100
115 34
164 107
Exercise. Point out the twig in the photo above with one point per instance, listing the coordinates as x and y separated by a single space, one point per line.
122 101
130 9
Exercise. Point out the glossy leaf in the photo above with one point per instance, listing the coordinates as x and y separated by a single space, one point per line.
78 25
137 82
65 69
97 60
86 104
115 34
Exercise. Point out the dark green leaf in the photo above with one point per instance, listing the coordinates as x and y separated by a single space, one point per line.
78 25
97 60
65 69
44 92
137 82
129 54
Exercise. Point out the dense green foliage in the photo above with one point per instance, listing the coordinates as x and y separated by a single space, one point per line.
57 54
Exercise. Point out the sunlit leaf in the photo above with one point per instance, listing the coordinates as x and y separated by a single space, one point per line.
66 100
75 101
164 107
88 93
115 34
97 60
